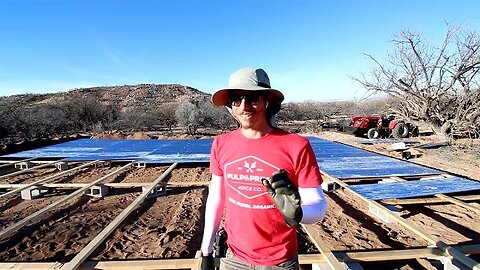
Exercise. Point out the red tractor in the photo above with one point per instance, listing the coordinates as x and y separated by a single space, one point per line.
360 125
376 126
391 127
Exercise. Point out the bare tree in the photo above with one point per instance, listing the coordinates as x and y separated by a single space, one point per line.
439 85
165 115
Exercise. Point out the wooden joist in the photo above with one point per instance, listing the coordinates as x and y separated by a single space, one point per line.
44 210
305 259
113 185
85 252
458 202
467 261
405 177
429 200
323 248
25 186
15 162
27 170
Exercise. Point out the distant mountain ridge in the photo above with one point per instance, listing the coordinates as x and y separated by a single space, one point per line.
126 96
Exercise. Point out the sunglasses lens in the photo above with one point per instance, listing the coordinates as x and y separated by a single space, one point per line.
249 99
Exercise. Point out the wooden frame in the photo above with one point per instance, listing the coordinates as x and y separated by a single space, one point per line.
334 259
15 162
25 186
113 185
29 169
472 264
353 256
85 252
44 210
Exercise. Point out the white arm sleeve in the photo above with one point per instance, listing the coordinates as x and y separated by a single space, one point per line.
314 204
213 213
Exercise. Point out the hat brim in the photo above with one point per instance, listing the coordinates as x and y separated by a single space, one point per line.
220 98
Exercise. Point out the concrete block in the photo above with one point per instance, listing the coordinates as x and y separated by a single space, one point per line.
61 166
330 186
101 164
139 164
97 191
381 215
449 263
33 192
398 146
23 165
159 190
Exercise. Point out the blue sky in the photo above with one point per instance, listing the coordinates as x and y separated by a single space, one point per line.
309 48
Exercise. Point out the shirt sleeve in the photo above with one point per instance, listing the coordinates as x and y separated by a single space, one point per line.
307 173
214 165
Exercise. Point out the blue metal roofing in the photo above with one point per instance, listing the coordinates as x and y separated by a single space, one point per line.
417 188
344 161
149 151
336 159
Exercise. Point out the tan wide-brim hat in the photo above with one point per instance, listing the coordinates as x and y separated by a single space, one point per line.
248 79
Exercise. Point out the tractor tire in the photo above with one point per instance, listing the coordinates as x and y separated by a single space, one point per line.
373 133
400 130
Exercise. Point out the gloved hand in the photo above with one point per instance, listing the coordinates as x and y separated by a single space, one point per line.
207 262
285 195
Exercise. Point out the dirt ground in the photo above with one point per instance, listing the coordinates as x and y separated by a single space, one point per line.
170 226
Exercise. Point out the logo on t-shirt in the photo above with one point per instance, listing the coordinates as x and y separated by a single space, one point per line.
245 176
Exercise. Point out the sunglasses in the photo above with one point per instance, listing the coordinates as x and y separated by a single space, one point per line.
252 99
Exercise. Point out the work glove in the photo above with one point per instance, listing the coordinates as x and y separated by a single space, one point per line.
285 195
207 262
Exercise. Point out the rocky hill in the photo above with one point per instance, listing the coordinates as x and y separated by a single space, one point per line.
127 96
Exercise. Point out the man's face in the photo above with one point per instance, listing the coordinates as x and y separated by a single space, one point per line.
249 108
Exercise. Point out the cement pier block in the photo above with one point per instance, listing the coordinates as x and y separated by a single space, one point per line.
330 186
61 166
139 164
381 215
101 164
23 165
97 191
159 190
33 192
449 263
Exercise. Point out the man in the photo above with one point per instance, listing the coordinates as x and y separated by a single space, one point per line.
267 179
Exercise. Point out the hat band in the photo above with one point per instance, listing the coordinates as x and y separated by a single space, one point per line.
262 84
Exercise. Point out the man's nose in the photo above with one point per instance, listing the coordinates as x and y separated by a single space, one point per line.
245 104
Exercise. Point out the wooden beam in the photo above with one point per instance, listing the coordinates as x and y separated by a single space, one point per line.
351 256
458 202
27 170
187 184
198 263
113 185
323 248
429 200
369 178
85 252
44 210
392 255
15 162
46 179
472 264
78 185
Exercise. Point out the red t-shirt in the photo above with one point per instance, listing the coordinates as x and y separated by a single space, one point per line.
257 232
